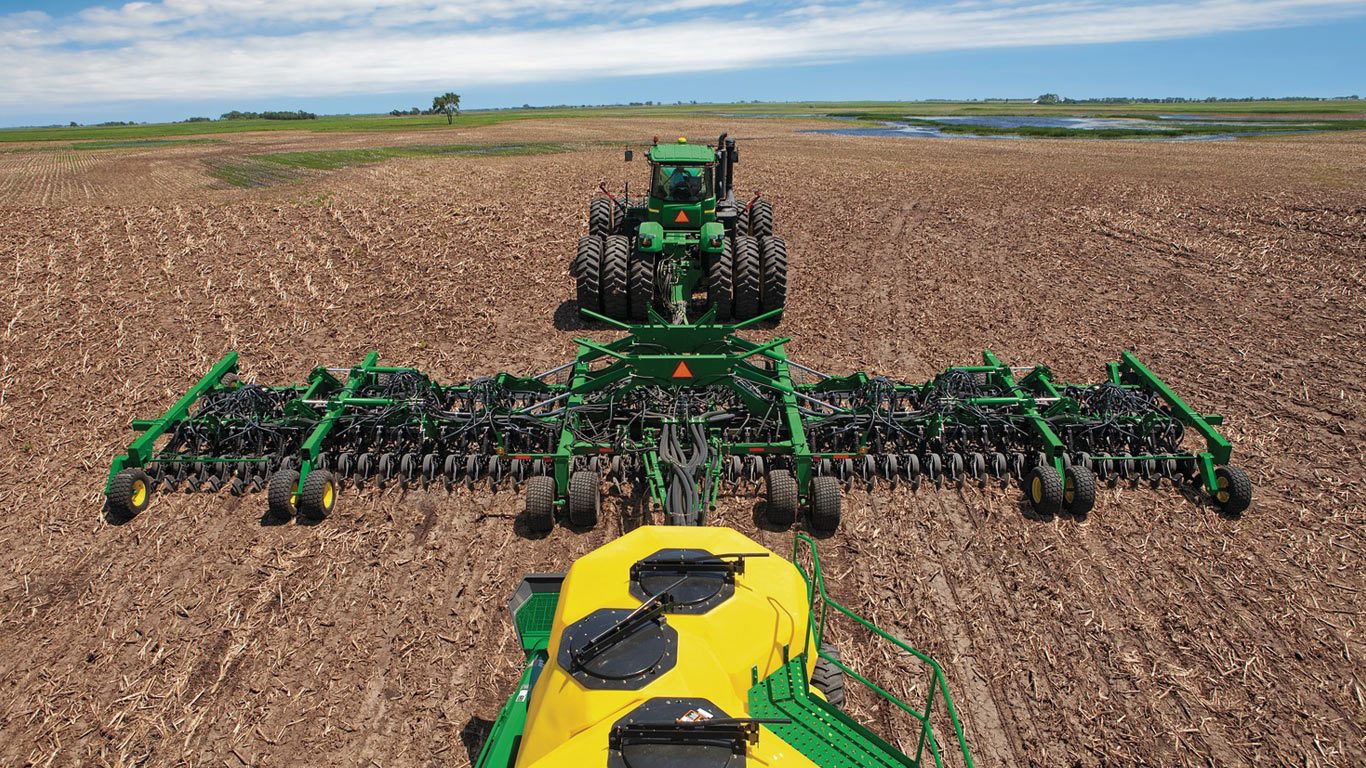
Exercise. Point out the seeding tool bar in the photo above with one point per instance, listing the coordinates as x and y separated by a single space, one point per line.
677 412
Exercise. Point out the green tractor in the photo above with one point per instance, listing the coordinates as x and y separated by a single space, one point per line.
690 236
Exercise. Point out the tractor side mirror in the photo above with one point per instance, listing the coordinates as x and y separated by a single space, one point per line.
630 155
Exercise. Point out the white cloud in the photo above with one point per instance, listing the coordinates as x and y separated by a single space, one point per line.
170 51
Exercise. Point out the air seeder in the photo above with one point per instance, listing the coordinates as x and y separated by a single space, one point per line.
694 648
690 235
676 414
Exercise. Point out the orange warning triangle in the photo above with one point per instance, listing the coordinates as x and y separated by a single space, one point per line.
682 371
681 218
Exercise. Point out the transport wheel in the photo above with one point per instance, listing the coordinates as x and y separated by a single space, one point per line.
782 498
615 255
600 217
773 288
1078 491
588 272
824 504
319 495
1235 490
642 285
1045 490
281 497
540 504
747 268
585 499
761 218
721 282
828 678
130 493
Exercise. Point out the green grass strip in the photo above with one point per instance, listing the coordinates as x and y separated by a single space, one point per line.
280 167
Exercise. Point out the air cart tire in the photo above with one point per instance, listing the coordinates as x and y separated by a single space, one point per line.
1078 491
615 255
782 498
281 496
599 217
318 496
828 678
721 282
130 492
1045 490
585 499
642 285
1235 491
540 504
588 273
824 504
773 273
761 218
747 278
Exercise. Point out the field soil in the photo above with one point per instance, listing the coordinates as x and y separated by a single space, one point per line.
1154 633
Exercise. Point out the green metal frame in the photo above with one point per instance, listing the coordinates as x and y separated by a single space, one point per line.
701 360
938 693
534 620
141 451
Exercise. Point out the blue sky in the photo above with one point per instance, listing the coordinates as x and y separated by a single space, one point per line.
67 60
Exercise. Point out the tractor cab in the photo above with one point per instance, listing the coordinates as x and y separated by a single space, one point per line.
682 185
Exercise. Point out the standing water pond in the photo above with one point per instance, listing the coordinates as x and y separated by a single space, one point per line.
1162 128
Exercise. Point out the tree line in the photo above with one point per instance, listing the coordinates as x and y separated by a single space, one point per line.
296 115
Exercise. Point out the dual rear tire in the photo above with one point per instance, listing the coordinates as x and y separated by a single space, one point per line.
613 279
823 501
1073 492
313 502
748 277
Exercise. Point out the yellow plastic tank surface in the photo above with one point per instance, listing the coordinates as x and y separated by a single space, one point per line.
697 660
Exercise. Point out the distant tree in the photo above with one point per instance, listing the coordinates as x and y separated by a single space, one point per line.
74 124
447 104
1049 98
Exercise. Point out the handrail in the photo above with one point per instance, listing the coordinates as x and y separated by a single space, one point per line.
815 584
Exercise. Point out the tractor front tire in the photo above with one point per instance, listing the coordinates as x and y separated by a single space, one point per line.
747 278
282 494
587 271
1045 490
761 218
782 498
616 254
721 282
600 217
824 504
773 289
540 504
130 492
319 495
585 499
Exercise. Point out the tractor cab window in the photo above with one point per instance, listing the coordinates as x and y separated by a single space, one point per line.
682 183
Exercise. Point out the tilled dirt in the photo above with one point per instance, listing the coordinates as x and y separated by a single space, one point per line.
1154 633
